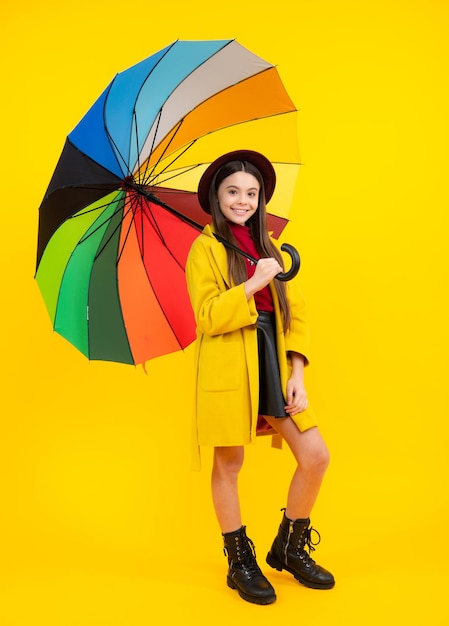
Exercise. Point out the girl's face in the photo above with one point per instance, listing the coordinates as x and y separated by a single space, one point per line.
238 197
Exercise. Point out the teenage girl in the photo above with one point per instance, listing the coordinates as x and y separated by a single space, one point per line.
251 350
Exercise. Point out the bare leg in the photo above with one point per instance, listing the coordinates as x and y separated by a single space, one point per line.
312 457
228 462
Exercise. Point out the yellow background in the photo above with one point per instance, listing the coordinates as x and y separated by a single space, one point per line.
102 522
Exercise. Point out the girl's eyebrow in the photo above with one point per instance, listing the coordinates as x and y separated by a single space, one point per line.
236 187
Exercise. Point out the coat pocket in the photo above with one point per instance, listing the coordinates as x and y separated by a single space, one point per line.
220 365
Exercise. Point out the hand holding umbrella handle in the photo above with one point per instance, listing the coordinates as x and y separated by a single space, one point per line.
286 247
296 262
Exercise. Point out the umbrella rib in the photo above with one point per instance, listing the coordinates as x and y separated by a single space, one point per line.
180 123
175 174
86 237
137 137
124 161
160 111
97 228
125 239
82 212
183 170
147 213
144 177
112 234
161 307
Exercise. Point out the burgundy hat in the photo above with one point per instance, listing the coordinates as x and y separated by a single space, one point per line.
255 158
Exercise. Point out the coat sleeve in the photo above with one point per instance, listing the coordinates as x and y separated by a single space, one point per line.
297 337
217 308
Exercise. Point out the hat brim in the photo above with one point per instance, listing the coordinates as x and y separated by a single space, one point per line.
255 158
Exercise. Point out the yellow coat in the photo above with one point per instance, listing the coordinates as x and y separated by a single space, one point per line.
226 355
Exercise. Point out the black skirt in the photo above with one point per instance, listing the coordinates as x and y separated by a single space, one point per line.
271 397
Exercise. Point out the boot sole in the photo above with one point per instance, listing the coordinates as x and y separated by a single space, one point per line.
252 599
277 565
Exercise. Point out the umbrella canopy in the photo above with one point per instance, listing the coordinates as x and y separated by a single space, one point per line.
111 258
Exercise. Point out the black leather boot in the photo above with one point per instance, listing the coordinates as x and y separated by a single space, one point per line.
244 574
288 552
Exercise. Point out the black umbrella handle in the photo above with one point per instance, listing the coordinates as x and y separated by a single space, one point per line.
296 262
286 247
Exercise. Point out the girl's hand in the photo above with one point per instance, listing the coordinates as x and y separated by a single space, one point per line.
296 396
296 392
266 270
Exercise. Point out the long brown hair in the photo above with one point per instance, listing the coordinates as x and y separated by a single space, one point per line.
258 228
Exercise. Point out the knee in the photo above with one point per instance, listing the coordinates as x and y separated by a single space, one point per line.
316 461
323 458
228 461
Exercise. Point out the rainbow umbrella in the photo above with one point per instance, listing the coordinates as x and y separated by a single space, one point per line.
111 257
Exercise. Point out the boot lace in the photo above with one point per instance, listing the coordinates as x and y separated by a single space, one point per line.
245 558
305 541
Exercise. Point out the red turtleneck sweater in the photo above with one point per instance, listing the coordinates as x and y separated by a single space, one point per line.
263 298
